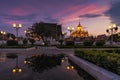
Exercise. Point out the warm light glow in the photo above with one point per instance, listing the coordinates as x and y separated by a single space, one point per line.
109 27
20 25
63 33
25 31
19 70
62 60
14 25
72 28
72 67
114 25
68 28
1 32
28 62
25 62
68 67
4 33
14 70
17 26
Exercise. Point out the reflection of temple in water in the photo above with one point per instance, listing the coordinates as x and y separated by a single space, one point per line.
79 32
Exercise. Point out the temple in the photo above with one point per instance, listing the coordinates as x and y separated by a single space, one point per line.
79 32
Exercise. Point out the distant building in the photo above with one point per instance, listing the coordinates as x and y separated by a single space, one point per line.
54 28
79 32
101 37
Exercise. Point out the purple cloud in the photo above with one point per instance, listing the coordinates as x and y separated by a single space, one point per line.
114 12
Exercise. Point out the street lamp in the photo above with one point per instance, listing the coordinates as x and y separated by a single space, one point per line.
111 30
17 27
70 29
3 35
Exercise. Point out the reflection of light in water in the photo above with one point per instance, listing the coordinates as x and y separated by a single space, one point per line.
59 72
27 61
62 60
68 67
72 67
16 70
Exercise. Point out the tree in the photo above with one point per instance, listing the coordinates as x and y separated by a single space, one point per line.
8 35
40 30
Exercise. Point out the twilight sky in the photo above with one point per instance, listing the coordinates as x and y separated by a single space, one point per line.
95 15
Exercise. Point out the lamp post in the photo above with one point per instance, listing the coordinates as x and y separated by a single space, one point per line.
3 34
17 27
70 29
111 30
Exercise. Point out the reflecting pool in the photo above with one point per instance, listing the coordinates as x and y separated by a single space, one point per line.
24 67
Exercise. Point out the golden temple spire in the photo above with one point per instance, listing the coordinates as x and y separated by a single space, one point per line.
79 27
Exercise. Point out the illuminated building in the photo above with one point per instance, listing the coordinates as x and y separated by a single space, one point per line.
79 32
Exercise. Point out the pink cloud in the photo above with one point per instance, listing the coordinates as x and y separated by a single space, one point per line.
90 9
70 9
22 10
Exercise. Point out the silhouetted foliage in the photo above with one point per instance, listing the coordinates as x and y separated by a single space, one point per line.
12 42
100 43
61 42
32 41
43 62
88 42
70 43
8 35
41 30
25 41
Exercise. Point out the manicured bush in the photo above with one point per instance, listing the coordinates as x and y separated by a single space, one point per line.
109 61
25 41
61 42
32 41
12 42
88 42
100 43
70 43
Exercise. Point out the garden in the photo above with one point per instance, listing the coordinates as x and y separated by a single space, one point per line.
108 59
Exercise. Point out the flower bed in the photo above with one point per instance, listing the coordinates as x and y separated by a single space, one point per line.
109 61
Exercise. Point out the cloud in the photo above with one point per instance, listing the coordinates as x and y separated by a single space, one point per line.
50 19
16 17
90 15
114 12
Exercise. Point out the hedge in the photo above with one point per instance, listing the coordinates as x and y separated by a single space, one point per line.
12 42
109 61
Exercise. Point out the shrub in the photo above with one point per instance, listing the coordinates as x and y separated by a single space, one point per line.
61 42
12 42
109 61
100 43
70 43
88 42
25 41
32 41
